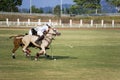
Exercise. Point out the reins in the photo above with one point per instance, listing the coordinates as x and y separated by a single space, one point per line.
51 33
47 39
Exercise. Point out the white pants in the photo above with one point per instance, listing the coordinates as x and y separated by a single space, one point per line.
40 33
30 32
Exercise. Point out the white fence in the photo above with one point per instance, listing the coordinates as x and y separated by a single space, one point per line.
71 24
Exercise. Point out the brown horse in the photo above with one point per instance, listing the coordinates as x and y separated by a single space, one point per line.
26 41
17 41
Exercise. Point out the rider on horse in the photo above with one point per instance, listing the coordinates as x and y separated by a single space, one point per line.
40 31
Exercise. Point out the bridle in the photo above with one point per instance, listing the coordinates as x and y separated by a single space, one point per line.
47 38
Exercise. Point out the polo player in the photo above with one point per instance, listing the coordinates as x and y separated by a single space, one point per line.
40 31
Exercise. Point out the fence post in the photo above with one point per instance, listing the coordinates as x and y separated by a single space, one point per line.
7 21
81 23
28 21
60 22
102 23
91 23
39 21
50 21
113 23
18 22
70 22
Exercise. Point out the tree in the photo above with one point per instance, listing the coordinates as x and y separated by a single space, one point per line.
114 2
10 5
57 11
36 10
83 6
74 9
67 10
88 3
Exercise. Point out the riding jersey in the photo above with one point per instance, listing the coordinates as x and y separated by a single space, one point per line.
42 29
39 30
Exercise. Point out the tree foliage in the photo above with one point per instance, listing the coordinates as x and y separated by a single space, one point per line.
83 6
88 3
57 11
10 5
36 10
114 2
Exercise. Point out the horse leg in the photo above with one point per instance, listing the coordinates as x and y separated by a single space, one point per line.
44 52
16 46
28 52
40 53
13 52
25 49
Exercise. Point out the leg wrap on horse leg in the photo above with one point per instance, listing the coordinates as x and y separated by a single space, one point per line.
27 52
37 55
13 56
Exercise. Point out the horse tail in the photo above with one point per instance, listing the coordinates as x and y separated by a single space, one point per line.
17 37
12 37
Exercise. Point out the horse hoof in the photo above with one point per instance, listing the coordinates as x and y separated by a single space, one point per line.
28 55
47 55
13 57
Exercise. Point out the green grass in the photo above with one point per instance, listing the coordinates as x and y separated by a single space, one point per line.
81 55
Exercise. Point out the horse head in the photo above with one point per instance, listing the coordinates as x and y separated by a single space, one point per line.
53 33
56 32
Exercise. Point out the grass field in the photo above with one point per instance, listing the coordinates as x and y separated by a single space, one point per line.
81 55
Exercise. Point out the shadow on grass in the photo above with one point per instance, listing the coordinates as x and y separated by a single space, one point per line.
54 57
64 57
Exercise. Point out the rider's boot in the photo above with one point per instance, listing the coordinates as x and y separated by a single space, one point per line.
40 38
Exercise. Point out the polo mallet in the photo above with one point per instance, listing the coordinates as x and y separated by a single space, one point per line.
52 56
51 51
